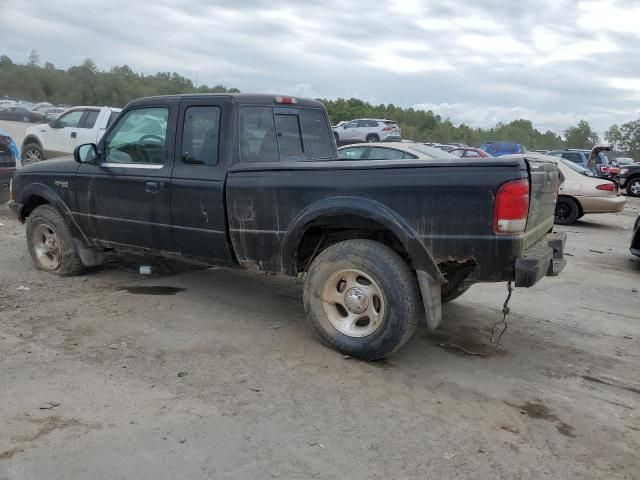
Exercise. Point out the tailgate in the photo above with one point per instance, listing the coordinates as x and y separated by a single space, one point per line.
544 179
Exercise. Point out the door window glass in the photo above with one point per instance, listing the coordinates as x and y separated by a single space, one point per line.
257 135
138 137
90 119
71 119
572 157
200 135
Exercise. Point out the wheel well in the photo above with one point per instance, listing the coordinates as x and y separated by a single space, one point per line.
328 231
580 210
31 139
33 202
633 177
372 135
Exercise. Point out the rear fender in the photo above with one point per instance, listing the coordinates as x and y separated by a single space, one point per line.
421 258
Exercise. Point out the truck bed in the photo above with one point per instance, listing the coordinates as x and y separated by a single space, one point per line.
447 206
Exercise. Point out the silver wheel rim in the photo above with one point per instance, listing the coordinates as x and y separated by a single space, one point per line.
353 303
47 247
32 155
635 187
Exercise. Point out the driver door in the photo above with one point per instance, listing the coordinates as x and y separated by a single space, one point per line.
349 131
124 199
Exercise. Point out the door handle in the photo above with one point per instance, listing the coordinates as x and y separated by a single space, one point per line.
74 134
153 187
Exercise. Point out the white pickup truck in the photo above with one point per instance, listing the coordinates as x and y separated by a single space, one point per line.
76 126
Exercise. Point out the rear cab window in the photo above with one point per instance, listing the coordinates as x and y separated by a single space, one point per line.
271 134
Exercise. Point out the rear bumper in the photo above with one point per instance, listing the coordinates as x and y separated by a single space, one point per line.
602 204
545 258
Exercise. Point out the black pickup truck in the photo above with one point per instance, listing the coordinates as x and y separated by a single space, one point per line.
255 181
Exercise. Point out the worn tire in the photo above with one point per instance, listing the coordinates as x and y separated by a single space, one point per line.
70 263
402 305
30 151
567 211
633 187
372 138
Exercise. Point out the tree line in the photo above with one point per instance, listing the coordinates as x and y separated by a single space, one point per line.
85 84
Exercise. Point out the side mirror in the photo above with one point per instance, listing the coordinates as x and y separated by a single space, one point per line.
86 153
344 127
54 123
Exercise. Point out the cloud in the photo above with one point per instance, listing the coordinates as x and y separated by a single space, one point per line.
551 61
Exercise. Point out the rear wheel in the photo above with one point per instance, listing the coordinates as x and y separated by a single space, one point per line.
50 243
362 299
633 187
567 211
372 138
32 153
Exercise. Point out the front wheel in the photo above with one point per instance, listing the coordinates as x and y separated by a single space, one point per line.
362 299
633 187
50 242
567 211
32 153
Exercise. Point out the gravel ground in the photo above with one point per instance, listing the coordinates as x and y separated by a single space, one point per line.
220 377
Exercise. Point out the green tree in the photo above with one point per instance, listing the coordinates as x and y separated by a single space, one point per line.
630 138
581 136
34 58
614 136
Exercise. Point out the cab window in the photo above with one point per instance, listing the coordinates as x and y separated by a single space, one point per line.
258 135
70 119
138 137
200 135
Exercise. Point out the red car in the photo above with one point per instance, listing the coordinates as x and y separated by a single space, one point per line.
467 152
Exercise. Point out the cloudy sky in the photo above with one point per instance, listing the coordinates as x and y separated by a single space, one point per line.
553 62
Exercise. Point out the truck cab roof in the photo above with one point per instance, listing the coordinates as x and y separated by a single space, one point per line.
241 98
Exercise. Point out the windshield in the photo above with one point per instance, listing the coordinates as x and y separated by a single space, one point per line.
577 168
430 151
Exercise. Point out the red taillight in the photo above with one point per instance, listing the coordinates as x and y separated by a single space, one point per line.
387 129
286 100
613 171
511 208
607 187
604 169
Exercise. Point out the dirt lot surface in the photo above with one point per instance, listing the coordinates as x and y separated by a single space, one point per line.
107 376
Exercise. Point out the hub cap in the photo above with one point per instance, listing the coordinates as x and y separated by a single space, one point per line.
635 188
47 247
353 303
32 156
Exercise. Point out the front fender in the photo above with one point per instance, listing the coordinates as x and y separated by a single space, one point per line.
366 209
37 189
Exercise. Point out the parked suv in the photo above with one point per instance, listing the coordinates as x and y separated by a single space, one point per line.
581 157
367 130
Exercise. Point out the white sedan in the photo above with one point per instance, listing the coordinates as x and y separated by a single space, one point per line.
392 151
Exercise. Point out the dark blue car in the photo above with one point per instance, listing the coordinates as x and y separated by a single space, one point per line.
9 156
502 148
